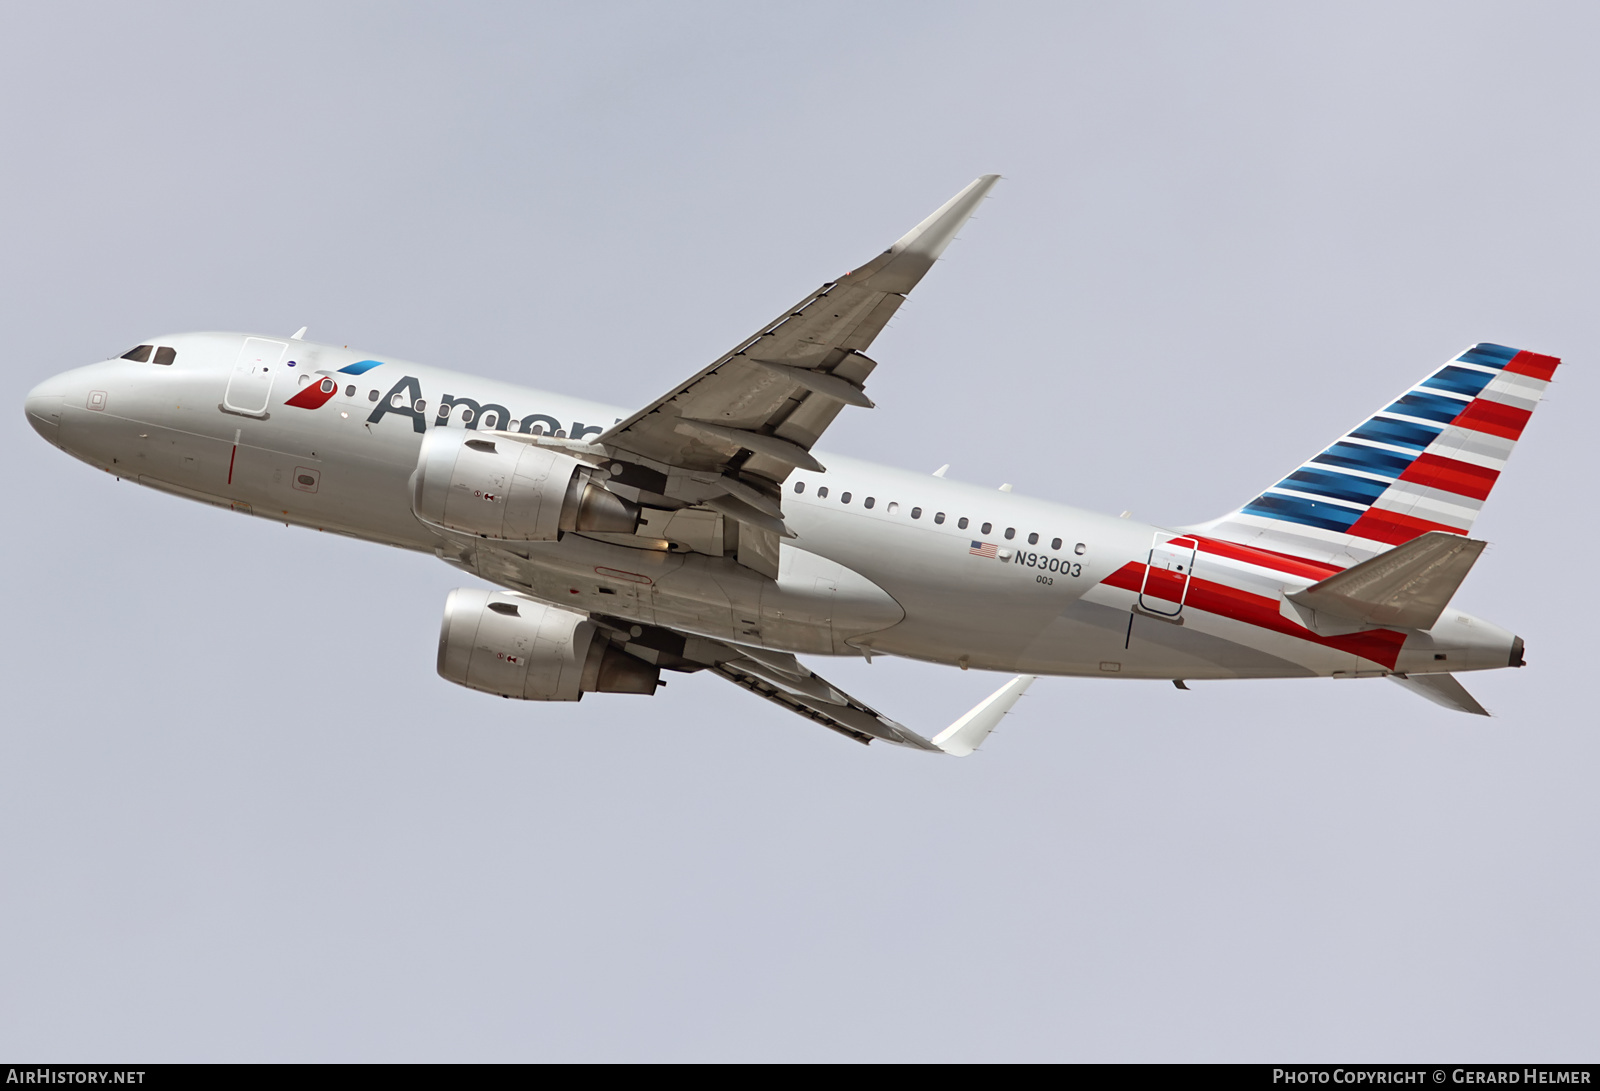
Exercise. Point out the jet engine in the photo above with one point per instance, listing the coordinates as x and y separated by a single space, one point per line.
516 647
503 488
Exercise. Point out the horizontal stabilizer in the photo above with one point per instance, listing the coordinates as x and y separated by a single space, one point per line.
1408 587
967 734
1441 689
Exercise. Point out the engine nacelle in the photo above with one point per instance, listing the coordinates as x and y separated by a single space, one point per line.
501 488
515 647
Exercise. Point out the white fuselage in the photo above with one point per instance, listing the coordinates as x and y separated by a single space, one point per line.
886 561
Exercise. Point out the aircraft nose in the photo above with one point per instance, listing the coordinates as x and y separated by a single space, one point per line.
43 408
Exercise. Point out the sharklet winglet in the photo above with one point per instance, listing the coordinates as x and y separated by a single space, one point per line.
967 734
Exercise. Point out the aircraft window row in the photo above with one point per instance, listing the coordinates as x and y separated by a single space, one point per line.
463 413
141 354
938 517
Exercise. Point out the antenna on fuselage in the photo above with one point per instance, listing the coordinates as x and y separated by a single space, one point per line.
940 471
299 334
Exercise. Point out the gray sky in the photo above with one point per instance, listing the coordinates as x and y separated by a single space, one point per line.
242 818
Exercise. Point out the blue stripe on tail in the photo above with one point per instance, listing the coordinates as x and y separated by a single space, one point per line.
1397 432
1356 456
1307 512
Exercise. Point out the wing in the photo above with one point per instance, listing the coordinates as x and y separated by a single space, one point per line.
728 436
785 681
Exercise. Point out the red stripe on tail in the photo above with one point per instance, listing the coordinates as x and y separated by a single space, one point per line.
1451 475
1381 525
1495 418
1531 363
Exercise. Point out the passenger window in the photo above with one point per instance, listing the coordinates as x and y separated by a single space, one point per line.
894 506
165 355
1055 543
987 527
372 397
916 513
799 486
398 400
938 517
868 502
421 406
1011 532
1078 549
140 355
490 419
962 523
844 498
350 391
822 492
1033 539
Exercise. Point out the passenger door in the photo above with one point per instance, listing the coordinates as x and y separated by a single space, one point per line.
250 385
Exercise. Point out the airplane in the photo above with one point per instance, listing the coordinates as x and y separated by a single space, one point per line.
704 532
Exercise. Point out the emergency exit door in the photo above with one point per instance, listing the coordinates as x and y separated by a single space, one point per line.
1167 576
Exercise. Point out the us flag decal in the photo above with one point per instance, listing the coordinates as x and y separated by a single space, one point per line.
982 549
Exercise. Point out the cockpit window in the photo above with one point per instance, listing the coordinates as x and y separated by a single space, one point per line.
165 355
140 355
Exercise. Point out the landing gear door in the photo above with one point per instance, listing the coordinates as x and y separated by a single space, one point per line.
1167 575
251 382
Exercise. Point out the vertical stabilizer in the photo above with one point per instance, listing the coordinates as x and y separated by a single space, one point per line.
1425 462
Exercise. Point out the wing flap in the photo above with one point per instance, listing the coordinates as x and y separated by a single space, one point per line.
782 679
847 716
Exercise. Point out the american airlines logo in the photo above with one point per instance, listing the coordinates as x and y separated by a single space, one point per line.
405 398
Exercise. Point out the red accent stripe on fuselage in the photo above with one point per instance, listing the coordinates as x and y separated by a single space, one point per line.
312 396
1268 558
1381 646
